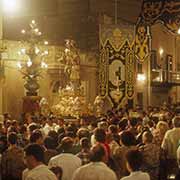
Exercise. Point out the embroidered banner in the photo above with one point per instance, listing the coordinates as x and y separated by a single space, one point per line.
115 74
165 11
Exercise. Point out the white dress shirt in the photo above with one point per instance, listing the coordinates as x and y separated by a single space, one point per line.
48 128
178 156
170 142
137 175
68 162
40 172
94 171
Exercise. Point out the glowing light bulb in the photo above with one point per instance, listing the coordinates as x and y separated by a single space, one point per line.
36 30
37 50
161 51
23 31
67 50
46 42
33 22
46 52
39 33
44 65
23 51
29 63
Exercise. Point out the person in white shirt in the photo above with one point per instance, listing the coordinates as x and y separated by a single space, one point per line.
178 156
66 160
96 169
34 157
60 123
49 126
134 160
171 140
170 145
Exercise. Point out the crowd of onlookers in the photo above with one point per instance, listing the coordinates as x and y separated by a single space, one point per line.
126 144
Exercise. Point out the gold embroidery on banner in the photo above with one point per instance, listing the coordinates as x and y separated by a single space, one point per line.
151 10
103 73
130 75
166 11
141 44
113 82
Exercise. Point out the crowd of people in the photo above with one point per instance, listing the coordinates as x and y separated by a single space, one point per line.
124 144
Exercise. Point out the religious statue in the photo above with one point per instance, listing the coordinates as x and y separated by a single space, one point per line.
75 70
71 97
99 104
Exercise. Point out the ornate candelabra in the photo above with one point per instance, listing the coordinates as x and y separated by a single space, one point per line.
32 67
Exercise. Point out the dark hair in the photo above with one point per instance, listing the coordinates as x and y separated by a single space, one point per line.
61 130
100 135
4 144
84 142
12 138
54 135
83 132
35 136
155 119
134 159
110 113
12 129
71 134
151 124
72 127
36 151
127 138
49 143
176 121
97 153
14 122
113 128
23 129
60 137
33 127
149 136
66 144
133 121
94 124
115 121
57 170
123 123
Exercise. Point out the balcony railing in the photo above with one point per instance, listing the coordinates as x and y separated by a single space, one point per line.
163 76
